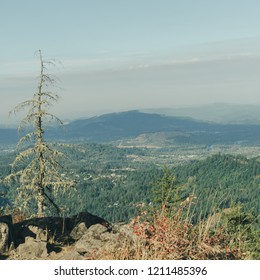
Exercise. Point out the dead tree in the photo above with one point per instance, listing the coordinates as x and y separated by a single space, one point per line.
37 165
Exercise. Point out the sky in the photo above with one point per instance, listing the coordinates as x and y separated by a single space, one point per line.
117 55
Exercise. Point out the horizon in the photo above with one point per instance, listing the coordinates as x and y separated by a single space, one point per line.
15 123
133 55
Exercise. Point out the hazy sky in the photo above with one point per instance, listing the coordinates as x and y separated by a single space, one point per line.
126 54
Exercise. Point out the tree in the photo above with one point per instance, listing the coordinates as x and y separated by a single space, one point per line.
37 165
167 191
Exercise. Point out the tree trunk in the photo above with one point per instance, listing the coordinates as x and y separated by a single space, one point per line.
40 200
39 144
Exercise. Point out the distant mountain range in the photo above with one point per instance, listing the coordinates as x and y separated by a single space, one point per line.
128 124
131 124
218 113
8 136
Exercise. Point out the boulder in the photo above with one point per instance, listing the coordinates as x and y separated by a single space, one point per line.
75 237
78 231
57 228
30 250
40 234
6 233
67 254
99 241
4 240
91 240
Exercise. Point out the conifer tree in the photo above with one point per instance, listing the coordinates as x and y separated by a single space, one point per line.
37 165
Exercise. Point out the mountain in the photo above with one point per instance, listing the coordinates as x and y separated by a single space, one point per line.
218 113
128 124
131 124
8 136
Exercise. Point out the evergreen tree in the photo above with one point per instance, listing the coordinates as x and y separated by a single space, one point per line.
37 165
167 191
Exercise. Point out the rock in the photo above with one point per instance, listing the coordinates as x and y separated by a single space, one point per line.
128 233
40 234
6 233
39 228
32 250
56 228
67 254
119 243
96 230
91 240
75 238
78 231
4 240
99 242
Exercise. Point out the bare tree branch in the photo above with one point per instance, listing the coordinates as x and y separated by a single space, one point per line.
37 168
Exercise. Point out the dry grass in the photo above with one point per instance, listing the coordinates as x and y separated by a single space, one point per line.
167 235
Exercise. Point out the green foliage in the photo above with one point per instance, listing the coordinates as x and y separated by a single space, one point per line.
218 196
167 191
112 181
243 228
232 228
221 181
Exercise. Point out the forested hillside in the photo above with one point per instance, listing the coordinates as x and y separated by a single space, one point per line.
221 181
111 182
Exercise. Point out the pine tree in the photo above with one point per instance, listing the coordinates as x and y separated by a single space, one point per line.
37 165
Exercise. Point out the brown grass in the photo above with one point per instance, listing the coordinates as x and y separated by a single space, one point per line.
167 234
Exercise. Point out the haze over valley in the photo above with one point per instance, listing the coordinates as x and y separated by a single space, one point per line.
136 117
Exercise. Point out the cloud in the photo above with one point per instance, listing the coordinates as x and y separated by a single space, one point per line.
21 68
110 83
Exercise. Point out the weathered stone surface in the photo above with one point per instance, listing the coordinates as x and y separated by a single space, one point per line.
91 240
96 230
99 240
67 254
40 234
54 227
128 233
6 233
4 237
83 236
78 231
30 250
122 235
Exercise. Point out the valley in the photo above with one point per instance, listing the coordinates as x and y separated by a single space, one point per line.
123 166
113 179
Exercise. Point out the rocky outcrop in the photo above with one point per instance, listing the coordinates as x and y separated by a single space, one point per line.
83 236
6 233
92 240
31 249
4 240
78 231
55 228
88 219
97 242
43 238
